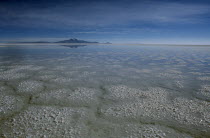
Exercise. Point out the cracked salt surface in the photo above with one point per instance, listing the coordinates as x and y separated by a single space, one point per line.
131 130
204 92
204 78
30 87
105 92
10 75
10 104
154 105
64 97
47 122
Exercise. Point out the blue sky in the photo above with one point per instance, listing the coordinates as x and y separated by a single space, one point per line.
119 21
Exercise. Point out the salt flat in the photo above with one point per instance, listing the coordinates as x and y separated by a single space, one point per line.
101 91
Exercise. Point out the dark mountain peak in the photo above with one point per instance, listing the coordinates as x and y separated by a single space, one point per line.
74 40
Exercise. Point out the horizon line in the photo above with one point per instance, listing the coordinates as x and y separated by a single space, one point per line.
140 44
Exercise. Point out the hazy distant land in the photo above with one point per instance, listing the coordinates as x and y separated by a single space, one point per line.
75 41
71 40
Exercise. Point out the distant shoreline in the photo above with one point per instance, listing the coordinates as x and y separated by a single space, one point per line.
8 44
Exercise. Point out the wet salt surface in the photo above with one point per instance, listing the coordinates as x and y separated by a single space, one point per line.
104 91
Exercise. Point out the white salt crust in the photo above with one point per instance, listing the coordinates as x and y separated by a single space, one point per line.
30 87
154 105
129 130
10 104
204 78
79 97
47 122
205 91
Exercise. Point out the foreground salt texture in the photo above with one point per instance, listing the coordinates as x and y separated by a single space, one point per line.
65 97
155 105
105 92
47 122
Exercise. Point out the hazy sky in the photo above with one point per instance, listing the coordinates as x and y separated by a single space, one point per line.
131 21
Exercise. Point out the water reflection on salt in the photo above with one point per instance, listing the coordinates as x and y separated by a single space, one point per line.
101 91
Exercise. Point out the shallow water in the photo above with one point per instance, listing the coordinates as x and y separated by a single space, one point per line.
104 91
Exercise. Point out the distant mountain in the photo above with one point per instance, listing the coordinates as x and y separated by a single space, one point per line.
71 40
74 46
74 40
107 43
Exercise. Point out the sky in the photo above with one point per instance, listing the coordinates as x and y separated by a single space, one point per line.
116 21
